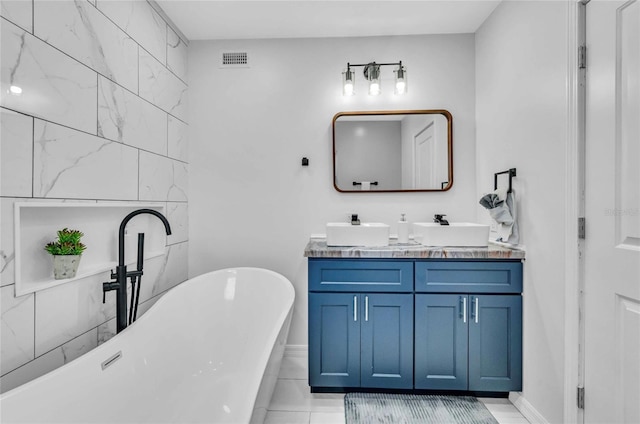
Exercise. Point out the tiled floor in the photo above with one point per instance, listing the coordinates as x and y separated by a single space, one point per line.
293 403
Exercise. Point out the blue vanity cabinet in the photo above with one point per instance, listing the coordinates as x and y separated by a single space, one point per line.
438 324
468 325
362 337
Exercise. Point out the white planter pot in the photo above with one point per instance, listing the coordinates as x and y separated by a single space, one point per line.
65 266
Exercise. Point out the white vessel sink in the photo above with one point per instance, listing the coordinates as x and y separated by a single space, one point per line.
464 234
366 234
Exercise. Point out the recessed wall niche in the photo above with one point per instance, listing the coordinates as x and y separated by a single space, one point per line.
38 223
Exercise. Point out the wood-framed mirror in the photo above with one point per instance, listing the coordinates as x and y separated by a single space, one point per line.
393 151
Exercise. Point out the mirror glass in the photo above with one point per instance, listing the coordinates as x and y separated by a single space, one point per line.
384 151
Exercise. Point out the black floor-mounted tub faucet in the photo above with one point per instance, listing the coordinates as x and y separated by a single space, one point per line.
120 276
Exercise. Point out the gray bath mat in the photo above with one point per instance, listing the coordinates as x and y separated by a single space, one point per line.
382 408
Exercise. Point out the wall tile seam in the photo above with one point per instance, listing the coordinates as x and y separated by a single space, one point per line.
131 36
57 347
85 132
168 21
136 94
53 199
167 26
164 65
179 119
92 199
167 157
176 75
178 242
166 128
106 77
177 160
135 147
33 151
170 71
24 29
138 173
167 55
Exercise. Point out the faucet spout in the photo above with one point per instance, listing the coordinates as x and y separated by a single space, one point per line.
440 219
126 220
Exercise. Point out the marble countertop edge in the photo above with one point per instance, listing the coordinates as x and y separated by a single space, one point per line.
317 248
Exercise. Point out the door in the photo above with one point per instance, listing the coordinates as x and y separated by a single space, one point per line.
424 158
386 341
441 341
612 211
495 343
334 340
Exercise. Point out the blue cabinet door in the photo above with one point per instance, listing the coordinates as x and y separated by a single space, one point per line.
495 343
441 341
334 340
386 331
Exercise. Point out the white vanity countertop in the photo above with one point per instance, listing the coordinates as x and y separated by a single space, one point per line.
317 248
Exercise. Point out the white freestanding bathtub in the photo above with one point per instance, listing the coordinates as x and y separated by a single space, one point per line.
208 351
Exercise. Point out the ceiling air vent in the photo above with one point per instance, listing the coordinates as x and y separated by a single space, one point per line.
235 60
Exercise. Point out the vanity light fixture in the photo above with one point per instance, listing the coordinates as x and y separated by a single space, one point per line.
372 75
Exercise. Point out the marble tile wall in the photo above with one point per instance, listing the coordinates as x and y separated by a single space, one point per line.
101 117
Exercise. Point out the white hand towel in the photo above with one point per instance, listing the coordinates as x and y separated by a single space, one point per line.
508 233
365 185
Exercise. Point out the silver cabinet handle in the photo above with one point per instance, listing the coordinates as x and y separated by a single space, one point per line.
464 309
477 302
355 308
366 308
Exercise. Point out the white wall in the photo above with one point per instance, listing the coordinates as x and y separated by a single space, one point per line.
521 112
101 118
251 202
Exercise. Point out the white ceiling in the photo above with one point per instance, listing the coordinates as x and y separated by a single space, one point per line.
248 19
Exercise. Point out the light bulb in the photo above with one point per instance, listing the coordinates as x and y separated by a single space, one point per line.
374 88
14 89
348 88
372 72
400 86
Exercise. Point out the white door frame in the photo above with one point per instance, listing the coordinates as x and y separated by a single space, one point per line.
574 208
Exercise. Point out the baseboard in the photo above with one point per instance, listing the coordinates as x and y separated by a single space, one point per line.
526 409
296 351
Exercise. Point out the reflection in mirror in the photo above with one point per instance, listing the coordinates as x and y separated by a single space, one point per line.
384 151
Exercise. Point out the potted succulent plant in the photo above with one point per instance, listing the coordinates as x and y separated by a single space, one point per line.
66 252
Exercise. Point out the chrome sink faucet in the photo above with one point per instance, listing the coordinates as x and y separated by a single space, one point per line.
120 276
440 219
